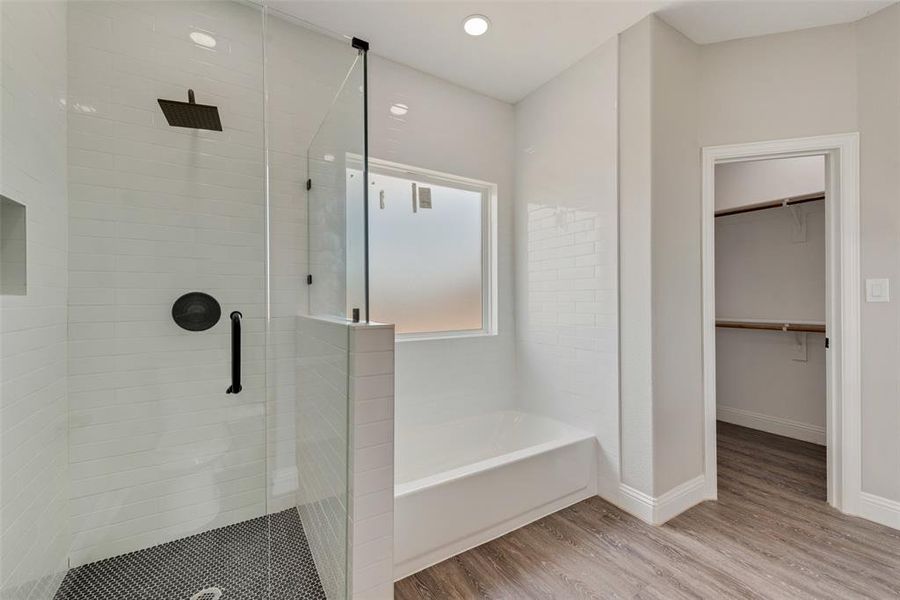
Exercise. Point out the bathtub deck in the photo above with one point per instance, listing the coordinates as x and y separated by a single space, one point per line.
770 535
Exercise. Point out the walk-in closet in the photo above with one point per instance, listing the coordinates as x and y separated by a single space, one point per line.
770 298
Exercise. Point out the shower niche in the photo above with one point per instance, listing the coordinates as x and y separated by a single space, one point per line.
13 241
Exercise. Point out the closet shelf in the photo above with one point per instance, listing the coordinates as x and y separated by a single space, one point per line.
791 201
803 326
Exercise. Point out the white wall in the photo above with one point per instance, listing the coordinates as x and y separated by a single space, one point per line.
33 402
662 413
878 81
759 384
675 248
786 85
763 273
372 462
566 251
456 131
635 262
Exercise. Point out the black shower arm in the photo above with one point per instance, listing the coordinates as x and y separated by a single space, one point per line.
235 387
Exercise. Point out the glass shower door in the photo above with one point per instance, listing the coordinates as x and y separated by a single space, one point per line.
336 163
336 245
167 300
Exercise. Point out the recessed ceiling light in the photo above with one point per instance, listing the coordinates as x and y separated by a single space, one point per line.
329 157
203 39
398 110
476 24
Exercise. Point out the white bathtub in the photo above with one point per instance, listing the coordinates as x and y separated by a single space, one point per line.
461 484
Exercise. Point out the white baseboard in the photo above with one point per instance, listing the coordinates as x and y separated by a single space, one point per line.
879 509
657 511
634 502
770 424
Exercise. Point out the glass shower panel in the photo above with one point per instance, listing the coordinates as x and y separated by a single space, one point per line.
315 113
336 163
163 206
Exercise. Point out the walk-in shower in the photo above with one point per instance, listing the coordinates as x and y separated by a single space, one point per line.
173 268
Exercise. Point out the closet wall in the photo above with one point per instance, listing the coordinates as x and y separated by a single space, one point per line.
767 270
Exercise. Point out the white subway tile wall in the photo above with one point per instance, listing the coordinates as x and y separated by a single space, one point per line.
372 464
345 376
322 445
33 403
566 250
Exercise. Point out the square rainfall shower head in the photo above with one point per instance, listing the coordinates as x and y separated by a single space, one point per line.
190 114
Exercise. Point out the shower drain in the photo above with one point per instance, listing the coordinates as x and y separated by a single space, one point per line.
210 593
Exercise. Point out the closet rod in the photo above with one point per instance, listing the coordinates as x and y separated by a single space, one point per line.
793 200
773 326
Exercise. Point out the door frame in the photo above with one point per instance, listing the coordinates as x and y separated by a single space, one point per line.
843 412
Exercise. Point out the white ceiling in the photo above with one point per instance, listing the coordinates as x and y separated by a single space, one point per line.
530 42
713 21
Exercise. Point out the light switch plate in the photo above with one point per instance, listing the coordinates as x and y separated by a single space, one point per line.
424 197
878 290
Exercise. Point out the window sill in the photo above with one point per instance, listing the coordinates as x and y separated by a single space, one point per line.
431 337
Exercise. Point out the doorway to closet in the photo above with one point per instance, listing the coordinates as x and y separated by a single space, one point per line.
770 322
780 292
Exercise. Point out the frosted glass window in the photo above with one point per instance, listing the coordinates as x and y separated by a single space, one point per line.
427 259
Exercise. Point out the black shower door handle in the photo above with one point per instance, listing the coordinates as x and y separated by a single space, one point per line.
235 387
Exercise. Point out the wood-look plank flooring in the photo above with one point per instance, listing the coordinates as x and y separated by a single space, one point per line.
770 535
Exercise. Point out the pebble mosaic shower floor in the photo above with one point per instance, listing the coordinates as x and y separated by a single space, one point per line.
234 560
